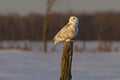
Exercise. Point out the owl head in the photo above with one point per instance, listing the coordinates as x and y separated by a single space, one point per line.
73 19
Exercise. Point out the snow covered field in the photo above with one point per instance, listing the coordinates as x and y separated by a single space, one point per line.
33 64
90 46
25 65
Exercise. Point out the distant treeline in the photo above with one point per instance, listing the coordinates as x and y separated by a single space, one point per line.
96 26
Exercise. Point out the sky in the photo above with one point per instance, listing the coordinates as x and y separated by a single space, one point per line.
39 6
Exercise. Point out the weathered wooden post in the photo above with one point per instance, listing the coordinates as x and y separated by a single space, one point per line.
66 61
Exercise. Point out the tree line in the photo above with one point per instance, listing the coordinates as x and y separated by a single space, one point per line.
95 26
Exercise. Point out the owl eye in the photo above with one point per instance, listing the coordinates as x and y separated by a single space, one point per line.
73 18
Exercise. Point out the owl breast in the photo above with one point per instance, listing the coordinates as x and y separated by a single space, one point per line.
75 31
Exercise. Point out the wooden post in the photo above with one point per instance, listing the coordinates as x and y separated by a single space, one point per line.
66 61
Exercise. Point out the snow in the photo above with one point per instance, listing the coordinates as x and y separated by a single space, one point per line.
91 46
28 65
35 65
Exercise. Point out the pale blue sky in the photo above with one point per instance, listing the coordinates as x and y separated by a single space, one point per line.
38 6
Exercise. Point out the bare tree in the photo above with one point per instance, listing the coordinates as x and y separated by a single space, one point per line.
98 22
103 24
49 6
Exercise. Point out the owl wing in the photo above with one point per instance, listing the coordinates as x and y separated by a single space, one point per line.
65 33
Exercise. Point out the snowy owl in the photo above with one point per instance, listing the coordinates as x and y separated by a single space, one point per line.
69 31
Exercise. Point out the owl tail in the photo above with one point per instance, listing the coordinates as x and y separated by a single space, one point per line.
56 42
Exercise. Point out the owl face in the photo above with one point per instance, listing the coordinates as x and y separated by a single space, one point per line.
73 19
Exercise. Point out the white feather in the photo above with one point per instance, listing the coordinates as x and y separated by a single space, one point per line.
69 31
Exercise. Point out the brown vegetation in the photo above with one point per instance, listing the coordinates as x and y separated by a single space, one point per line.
97 26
